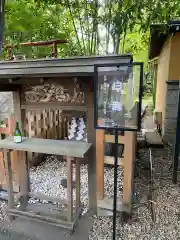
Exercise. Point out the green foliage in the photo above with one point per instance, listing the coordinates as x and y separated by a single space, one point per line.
26 20
90 26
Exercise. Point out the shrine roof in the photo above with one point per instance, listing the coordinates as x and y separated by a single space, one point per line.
73 66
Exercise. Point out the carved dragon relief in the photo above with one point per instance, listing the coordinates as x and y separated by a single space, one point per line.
48 93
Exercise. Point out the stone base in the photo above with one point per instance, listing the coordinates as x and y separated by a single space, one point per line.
40 231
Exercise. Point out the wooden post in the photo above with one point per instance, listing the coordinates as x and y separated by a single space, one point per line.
7 161
91 136
23 178
129 141
69 189
54 50
129 155
100 163
77 183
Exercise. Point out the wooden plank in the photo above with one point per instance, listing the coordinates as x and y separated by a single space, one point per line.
69 189
59 106
110 160
41 196
39 43
30 131
78 175
9 87
38 123
51 124
33 216
9 178
17 108
44 116
107 203
153 139
110 139
129 162
100 163
2 169
59 147
55 129
15 162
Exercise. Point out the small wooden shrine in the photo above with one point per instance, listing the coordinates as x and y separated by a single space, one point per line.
48 93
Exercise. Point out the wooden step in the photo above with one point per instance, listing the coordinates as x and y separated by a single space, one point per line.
105 207
153 139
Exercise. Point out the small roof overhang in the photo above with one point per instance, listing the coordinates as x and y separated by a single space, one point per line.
75 66
159 33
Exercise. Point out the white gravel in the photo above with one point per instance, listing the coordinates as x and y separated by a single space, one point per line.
47 179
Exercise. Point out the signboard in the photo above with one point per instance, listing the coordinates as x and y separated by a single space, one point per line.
118 96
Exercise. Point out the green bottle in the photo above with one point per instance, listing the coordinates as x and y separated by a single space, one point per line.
17 134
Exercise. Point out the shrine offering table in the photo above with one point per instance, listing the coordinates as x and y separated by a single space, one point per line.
18 205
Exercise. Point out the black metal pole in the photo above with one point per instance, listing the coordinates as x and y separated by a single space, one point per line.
176 147
115 183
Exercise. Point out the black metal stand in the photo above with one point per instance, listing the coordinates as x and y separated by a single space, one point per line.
176 147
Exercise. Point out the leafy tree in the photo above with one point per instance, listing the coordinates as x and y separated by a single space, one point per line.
26 20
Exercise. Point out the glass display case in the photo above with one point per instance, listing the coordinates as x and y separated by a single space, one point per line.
118 96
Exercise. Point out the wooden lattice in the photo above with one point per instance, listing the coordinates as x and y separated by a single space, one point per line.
48 123
51 124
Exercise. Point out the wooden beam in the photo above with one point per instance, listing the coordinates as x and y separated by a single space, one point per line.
42 196
59 106
110 160
35 44
110 139
9 87
154 60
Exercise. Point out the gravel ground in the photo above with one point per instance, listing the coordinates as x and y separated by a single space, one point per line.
167 225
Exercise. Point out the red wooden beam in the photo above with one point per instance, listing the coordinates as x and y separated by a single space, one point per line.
40 43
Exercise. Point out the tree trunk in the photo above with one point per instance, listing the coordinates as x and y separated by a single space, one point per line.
116 43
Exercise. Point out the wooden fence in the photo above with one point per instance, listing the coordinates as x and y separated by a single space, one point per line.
46 123
7 129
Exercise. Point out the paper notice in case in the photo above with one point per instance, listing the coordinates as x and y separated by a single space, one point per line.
117 86
116 106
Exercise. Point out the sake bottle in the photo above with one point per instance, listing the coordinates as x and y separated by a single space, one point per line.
17 134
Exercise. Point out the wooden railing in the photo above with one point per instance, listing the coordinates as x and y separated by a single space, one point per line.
51 43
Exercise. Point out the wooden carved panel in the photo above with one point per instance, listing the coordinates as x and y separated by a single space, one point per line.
53 92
